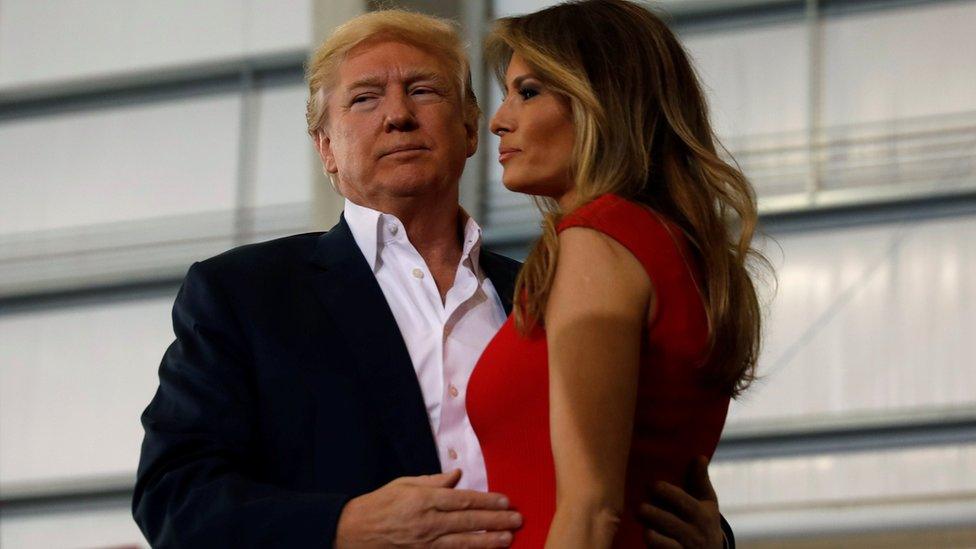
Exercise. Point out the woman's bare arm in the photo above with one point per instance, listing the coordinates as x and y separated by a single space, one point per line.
594 323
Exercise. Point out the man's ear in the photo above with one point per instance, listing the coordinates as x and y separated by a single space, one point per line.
471 135
324 146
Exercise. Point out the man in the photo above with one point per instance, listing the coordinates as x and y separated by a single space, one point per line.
314 392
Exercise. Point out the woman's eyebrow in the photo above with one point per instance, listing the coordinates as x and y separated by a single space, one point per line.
517 81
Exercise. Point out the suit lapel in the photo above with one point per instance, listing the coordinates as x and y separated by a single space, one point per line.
347 288
502 272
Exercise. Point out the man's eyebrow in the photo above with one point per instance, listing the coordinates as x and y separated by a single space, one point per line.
420 75
372 81
380 81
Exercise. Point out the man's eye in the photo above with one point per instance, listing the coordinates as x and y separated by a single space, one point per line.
424 92
361 99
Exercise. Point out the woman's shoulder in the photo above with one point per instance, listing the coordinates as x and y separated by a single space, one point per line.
622 218
657 242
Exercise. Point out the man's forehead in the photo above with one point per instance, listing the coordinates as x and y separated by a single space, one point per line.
379 62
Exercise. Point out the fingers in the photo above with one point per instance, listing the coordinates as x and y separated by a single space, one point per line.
474 540
663 522
675 500
447 479
655 540
460 500
698 482
474 521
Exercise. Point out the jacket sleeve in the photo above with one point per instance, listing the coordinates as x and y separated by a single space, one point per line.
727 531
197 484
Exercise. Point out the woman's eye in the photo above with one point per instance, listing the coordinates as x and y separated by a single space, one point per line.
528 93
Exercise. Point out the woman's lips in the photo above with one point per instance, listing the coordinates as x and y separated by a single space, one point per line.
507 153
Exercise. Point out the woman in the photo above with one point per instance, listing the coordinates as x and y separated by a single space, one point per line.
637 319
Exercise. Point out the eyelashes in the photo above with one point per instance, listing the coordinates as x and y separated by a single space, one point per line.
527 92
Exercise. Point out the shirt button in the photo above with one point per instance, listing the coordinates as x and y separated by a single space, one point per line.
453 391
452 454
417 273
393 229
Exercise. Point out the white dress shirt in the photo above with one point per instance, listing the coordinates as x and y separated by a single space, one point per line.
444 339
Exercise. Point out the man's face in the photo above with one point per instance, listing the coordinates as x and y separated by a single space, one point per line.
395 125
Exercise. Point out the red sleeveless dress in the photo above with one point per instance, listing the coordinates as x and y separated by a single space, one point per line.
677 416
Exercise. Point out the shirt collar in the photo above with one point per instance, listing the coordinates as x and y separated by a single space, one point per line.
471 245
365 224
371 228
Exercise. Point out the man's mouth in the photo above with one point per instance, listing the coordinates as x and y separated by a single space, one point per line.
404 150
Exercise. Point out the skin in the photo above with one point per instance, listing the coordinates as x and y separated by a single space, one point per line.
677 519
599 303
396 139
536 130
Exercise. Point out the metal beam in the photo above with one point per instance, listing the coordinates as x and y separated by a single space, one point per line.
880 432
151 86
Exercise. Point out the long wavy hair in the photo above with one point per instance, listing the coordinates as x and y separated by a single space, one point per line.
642 132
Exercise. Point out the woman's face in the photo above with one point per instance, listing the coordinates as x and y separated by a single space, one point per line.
536 130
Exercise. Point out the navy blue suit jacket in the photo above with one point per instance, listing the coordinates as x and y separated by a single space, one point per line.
288 391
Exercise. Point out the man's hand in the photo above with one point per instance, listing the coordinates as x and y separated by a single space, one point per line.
426 511
676 519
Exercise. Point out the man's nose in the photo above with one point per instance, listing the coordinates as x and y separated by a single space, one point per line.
399 113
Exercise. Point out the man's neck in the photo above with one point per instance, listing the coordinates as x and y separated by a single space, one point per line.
435 230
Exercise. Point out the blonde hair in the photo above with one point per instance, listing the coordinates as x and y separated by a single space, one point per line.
642 131
432 34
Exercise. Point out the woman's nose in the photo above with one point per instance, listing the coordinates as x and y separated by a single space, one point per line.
501 122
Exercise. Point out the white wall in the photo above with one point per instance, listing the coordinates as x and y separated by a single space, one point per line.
70 526
119 164
283 157
900 63
73 383
869 319
49 41
882 491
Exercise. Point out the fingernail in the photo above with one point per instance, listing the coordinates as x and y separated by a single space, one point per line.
503 502
517 519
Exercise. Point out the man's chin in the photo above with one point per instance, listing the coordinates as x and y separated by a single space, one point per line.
408 183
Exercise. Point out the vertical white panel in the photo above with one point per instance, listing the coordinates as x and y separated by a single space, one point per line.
284 155
119 164
278 25
506 8
44 41
73 383
756 78
869 319
908 62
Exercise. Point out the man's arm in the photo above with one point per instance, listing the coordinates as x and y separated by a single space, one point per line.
676 519
196 484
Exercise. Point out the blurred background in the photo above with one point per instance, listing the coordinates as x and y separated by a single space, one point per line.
138 136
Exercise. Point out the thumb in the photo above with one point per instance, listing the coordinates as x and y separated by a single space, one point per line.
448 479
699 485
